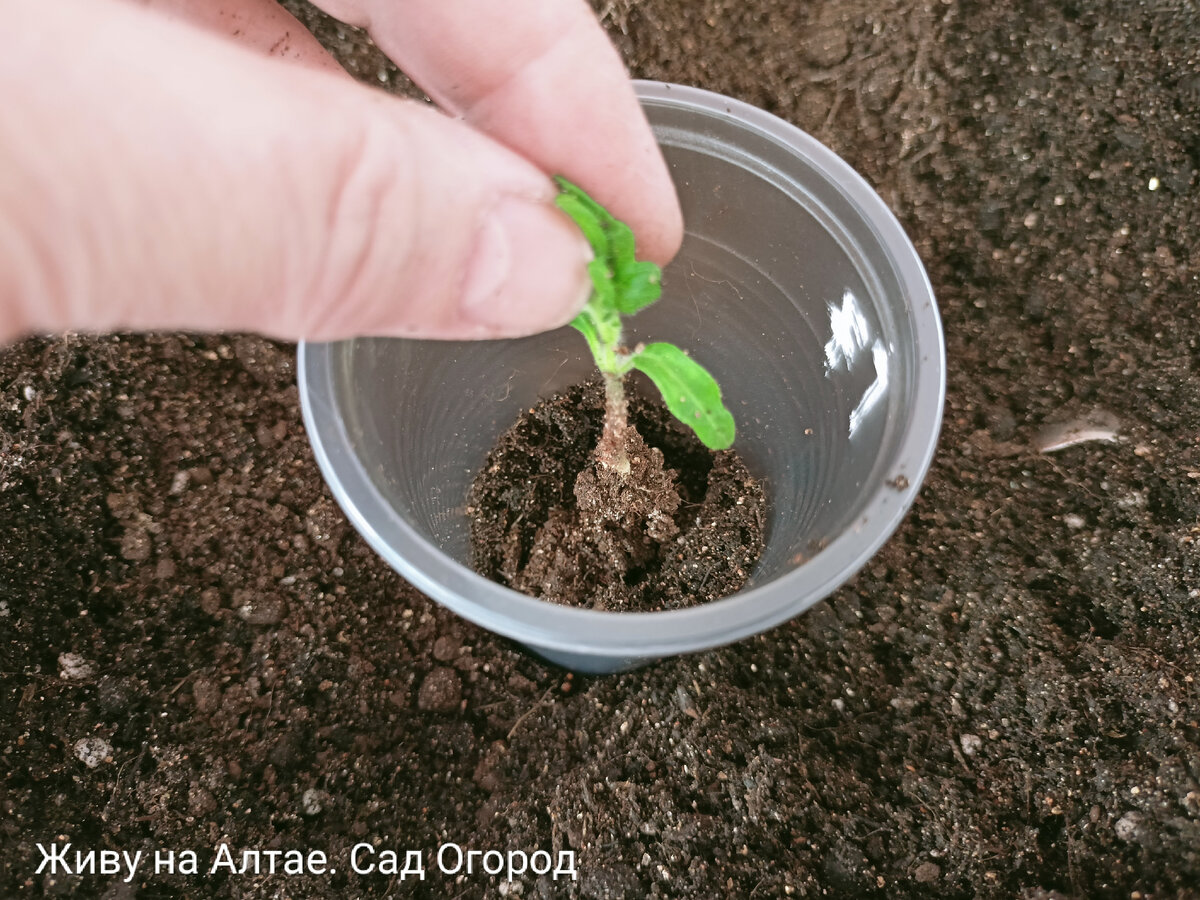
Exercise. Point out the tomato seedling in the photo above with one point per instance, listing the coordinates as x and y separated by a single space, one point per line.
621 286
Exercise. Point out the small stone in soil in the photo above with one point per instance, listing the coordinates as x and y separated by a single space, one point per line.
260 609
136 545
1128 826
73 667
93 751
441 691
445 648
927 873
312 802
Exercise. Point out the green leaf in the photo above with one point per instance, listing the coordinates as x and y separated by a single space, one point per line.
604 292
621 247
642 286
691 394
618 278
593 229
598 212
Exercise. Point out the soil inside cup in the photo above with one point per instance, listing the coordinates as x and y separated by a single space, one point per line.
683 527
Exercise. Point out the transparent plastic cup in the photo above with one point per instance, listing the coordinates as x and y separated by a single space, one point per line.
795 286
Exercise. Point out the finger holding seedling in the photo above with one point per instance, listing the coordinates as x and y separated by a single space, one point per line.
203 165
541 77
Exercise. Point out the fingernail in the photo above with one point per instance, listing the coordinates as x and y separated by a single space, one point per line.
528 270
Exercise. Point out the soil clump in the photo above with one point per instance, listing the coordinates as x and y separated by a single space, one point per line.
684 526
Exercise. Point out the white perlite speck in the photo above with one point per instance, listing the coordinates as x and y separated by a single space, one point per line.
179 482
73 667
310 802
93 751
1127 826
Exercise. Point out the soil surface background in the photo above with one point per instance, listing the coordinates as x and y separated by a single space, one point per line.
1002 704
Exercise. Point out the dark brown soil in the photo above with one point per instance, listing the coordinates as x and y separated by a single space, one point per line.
1003 704
684 526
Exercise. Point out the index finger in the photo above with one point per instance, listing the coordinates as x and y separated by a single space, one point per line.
541 77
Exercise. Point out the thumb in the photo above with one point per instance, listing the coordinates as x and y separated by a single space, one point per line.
195 185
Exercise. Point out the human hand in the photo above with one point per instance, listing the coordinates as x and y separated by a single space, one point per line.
156 175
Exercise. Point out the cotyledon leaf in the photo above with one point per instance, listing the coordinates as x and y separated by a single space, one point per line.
691 394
